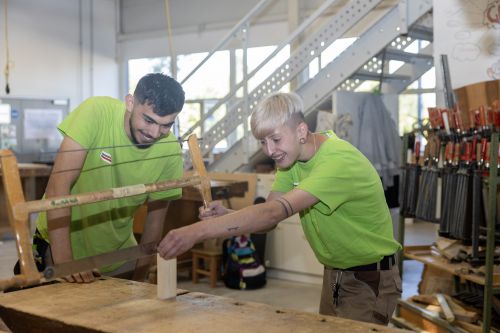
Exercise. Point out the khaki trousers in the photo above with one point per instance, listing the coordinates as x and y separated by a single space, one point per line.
368 296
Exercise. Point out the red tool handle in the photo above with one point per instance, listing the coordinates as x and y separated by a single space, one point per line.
474 145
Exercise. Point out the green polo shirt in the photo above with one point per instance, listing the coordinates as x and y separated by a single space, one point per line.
351 224
98 125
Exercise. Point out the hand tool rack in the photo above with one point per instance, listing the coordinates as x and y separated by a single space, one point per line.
19 209
490 288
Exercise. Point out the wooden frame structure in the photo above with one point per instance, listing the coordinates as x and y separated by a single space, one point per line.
19 209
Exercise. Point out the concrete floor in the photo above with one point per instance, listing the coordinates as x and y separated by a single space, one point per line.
280 293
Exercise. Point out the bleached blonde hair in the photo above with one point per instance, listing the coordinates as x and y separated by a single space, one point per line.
275 110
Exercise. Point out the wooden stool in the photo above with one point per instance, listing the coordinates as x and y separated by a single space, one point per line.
211 259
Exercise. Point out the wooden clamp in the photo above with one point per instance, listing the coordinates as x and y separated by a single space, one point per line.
19 209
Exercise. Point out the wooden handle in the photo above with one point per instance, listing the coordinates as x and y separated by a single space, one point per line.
199 167
22 208
19 222
19 281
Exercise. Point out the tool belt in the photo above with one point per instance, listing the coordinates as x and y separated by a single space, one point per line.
383 265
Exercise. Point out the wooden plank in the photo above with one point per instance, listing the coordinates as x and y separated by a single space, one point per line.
427 320
469 327
460 313
460 269
423 323
114 305
445 307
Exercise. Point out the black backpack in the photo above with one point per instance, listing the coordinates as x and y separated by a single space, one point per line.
241 267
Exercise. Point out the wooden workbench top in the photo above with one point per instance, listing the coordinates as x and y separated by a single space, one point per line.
114 305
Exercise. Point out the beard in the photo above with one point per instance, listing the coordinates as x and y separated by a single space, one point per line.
134 139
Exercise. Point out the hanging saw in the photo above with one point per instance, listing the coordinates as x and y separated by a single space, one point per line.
19 210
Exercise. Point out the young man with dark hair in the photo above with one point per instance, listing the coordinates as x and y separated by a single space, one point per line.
108 143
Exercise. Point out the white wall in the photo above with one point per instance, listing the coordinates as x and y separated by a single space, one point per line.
155 45
60 49
467 32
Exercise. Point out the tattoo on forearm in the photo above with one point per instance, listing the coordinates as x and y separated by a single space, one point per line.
289 205
285 208
232 228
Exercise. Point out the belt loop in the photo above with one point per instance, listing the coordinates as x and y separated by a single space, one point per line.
390 262
378 265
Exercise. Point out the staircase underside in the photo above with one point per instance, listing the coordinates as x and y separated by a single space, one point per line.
365 60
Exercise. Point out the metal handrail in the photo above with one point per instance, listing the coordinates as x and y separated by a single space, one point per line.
335 27
297 32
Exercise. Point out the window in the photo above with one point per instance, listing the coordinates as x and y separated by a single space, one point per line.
255 56
137 68
211 80
413 107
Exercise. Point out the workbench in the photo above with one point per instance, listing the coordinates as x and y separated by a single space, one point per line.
115 305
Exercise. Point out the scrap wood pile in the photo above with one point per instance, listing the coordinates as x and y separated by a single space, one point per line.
447 183
454 252
469 295
452 310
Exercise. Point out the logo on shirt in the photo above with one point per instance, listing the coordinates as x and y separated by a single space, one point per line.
106 157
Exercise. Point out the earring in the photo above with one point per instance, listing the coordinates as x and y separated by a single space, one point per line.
302 140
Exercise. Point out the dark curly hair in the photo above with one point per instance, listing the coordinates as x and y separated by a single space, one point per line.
162 92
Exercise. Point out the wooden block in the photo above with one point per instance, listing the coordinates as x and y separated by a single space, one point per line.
435 280
445 308
166 277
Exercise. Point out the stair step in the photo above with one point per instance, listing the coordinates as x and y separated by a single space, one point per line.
372 76
421 32
395 54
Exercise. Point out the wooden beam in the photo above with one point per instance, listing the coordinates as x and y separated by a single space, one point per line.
19 223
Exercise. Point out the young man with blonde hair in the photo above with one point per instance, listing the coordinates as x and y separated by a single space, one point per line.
340 200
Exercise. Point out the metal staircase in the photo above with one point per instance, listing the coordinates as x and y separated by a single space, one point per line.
389 29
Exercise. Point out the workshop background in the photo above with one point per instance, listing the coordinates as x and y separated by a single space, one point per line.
368 69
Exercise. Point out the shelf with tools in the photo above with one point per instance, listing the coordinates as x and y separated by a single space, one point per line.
455 184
